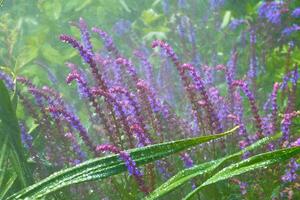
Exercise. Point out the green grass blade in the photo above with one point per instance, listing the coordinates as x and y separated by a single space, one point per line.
250 164
9 127
205 168
5 188
100 168
2 160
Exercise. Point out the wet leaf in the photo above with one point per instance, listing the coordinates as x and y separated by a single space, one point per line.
263 160
202 169
100 168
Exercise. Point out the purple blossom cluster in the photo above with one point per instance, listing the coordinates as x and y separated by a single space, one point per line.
296 13
271 11
128 107
289 30
8 81
235 23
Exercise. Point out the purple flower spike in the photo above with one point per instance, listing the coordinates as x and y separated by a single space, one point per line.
85 35
130 164
110 99
75 146
285 125
168 50
25 136
188 162
290 173
148 67
129 67
296 143
271 11
289 30
214 121
85 54
274 105
82 83
296 13
216 4
108 41
88 58
244 86
59 113
235 23
8 81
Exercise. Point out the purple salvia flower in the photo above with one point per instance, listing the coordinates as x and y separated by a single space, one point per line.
296 143
8 81
183 26
199 84
74 121
219 104
85 35
243 187
109 98
252 36
296 13
108 41
216 4
85 54
237 121
289 30
129 162
244 86
81 156
122 27
182 4
295 76
208 74
136 117
82 83
290 173
147 65
168 50
88 58
26 138
192 35
274 106
130 68
165 6
187 160
285 126
271 11
235 23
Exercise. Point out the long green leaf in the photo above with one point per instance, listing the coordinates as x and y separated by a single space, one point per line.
100 168
9 127
255 162
202 169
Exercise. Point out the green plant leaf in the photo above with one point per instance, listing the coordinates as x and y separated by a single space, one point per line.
205 168
226 19
255 162
9 130
100 168
27 54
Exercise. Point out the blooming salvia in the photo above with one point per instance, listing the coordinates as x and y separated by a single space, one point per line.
296 13
235 23
25 137
244 86
8 81
289 30
271 11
